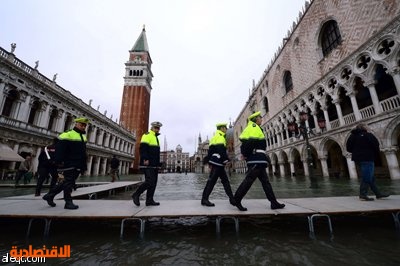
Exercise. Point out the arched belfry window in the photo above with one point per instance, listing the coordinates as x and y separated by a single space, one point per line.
330 37
287 79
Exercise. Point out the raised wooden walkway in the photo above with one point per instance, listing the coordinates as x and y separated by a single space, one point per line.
125 210
90 190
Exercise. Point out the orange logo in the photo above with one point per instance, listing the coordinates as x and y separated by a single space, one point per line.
54 252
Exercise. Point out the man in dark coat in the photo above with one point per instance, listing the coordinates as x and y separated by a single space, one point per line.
364 148
149 162
114 164
71 161
47 166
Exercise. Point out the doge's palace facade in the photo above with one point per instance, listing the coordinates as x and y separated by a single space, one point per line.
340 64
35 109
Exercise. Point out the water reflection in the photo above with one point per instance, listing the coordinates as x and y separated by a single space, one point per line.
359 240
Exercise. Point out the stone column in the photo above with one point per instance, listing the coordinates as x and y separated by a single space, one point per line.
60 120
324 166
374 96
395 73
103 166
393 164
35 160
282 168
96 166
326 116
44 115
100 139
117 144
107 142
89 165
339 111
351 166
292 169
93 135
2 90
305 167
273 168
16 147
24 106
112 142
354 105
317 128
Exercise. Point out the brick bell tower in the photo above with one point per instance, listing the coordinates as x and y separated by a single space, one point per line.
135 107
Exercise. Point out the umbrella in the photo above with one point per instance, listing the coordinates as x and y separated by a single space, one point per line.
8 154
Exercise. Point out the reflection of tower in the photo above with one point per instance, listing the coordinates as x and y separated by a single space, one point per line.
165 150
230 146
135 105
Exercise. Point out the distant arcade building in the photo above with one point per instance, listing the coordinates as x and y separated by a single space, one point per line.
135 106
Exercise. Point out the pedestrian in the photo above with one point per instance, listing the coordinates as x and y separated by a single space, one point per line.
114 164
253 151
25 169
364 148
47 167
217 160
71 161
149 163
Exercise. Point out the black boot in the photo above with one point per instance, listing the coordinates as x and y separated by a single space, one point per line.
276 205
49 198
206 202
240 207
69 205
135 198
37 193
206 193
152 203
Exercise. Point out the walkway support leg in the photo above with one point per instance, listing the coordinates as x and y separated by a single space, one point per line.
311 224
218 223
142 223
47 223
396 220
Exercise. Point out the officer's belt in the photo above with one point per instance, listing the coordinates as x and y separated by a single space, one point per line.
67 169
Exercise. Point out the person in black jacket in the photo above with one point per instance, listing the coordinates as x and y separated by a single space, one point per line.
114 164
217 159
253 151
47 166
364 148
150 163
71 161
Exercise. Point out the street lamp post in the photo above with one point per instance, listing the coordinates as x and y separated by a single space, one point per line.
304 131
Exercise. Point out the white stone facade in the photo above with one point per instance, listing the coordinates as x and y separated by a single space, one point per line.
175 161
35 109
358 80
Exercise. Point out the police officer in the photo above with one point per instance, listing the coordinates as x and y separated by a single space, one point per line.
71 160
253 150
149 162
47 166
217 159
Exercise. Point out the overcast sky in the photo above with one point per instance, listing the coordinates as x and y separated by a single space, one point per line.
206 53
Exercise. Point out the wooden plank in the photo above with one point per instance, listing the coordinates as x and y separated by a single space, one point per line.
88 209
82 191
256 207
331 205
111 209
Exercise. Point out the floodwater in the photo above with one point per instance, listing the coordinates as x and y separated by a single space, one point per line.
358 239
